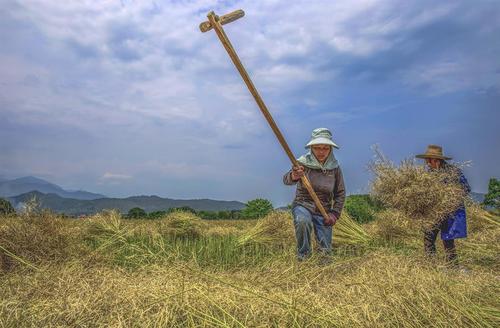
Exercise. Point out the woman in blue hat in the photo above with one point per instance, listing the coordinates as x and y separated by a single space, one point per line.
323 171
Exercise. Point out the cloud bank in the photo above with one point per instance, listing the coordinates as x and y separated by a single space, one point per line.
93 88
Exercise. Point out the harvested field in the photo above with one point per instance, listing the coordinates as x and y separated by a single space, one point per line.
136 273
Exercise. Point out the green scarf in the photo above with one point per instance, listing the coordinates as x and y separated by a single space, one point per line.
310 161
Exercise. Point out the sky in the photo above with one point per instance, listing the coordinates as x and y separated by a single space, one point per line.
129 98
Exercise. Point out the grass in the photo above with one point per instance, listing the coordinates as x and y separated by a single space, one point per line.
105 271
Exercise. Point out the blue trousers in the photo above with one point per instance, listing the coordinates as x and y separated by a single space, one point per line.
304 222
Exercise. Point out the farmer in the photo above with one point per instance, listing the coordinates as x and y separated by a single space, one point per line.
454 225
324 173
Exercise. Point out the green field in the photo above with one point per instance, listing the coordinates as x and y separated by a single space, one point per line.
181 271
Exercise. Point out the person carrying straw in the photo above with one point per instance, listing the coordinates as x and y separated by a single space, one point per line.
454 225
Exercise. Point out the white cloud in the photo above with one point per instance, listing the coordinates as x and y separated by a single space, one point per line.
115 176
139 77
282 74
452 76
148 59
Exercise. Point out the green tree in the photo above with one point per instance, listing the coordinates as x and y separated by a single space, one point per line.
207 215
181 209
6 207
236 214
136 213
224 215
361 207
156 215
257 208
492 198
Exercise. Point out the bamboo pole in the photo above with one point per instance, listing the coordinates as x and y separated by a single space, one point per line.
217 26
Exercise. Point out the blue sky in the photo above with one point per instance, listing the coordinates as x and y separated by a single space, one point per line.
128 97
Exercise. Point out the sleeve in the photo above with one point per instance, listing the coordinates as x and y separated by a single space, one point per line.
338 193
287 179
464 183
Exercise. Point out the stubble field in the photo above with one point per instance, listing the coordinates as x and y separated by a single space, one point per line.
181 271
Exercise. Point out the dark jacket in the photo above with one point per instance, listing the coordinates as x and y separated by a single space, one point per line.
328 185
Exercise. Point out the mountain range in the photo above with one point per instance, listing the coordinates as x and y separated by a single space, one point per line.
21 190
477 197
71 206
51 196
14 187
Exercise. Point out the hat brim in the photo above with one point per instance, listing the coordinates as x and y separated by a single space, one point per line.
424 156
322 141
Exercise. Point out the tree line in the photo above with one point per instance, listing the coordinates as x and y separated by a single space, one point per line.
361 207
254 209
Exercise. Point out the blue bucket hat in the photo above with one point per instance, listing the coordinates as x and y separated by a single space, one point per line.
321 136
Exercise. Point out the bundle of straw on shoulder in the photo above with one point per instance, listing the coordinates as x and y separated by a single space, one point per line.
426 196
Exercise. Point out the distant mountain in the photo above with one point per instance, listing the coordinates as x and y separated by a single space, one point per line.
477 197
148 203
10 188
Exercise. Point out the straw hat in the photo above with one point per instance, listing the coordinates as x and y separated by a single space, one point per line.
321 136
434 151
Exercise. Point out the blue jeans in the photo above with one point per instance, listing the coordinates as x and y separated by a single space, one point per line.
304 222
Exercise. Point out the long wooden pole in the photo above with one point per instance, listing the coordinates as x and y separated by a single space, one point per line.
215 24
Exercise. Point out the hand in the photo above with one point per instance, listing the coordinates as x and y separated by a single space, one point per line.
297 172
332 219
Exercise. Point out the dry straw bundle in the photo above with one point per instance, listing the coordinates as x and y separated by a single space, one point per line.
277 229
483 245
182 224
426 196
349 232
480 219
106 224
393 226
33 239
108 232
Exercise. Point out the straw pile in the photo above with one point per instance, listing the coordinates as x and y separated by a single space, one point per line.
480 219
106 224
420 194
379 290
107 231
29 240
348 232
182 225
482 247
393 226
275 229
